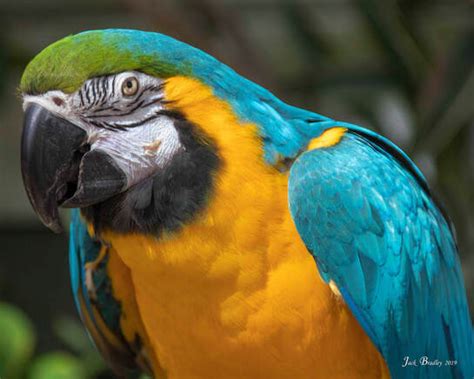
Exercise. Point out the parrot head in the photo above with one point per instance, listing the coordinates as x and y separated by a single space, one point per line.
100 135
105 130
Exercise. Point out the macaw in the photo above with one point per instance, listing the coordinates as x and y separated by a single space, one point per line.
218 232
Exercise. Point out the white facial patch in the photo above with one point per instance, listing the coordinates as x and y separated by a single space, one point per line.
129 147
132 129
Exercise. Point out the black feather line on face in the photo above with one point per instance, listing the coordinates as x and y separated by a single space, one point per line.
105 90
86 92
118 114
94 93
137 123
110 107
113 85
171 197
81 98
98 92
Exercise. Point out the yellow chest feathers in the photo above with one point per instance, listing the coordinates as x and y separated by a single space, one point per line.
235 294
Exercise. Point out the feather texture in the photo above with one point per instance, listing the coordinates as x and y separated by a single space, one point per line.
375 231
93 294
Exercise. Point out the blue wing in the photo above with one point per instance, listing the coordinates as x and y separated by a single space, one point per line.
369 221
99 311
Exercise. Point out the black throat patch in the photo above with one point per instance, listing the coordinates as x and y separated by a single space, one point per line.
170 198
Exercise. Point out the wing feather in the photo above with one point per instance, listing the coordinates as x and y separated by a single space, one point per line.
374 230
99 312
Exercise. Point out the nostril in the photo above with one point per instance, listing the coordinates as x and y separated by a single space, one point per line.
58 101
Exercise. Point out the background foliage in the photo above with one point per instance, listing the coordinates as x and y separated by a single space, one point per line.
404 68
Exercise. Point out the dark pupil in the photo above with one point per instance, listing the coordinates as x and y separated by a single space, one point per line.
129 84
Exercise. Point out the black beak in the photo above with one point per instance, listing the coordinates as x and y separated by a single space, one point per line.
58 168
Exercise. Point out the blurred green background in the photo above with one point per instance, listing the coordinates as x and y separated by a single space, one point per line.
404 68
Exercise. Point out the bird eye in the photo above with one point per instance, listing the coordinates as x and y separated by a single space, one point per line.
130 86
